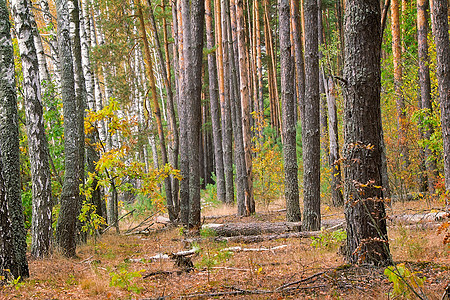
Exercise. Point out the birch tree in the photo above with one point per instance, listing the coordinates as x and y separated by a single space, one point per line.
41 227
13 244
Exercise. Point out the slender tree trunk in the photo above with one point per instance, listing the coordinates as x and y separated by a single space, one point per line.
165 69
236 115
425 87
53 43
310 124
323 99
156 110
259 70
13 244
41 228
288 108
214 105
182 112
245 104
80 87
441 39
298 58
271 64
66 227
336 193
224 96
367 241
398 81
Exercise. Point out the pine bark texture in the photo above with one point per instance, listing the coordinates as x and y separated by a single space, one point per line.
298 56
244 86
367 241
13 244
66 227
41 227
224 96
441 39
425 86
193 21
336 193
310 122
288 106
214 105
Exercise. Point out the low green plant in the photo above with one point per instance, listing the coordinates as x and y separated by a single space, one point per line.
124 280
329 239
209 195
90 220
10 280
406 283
212 253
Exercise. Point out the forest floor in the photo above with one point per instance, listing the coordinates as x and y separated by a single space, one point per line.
134 267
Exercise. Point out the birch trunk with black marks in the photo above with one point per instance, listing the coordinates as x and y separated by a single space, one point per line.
13 244
41 226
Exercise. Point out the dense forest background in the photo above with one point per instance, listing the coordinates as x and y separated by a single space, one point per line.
171 107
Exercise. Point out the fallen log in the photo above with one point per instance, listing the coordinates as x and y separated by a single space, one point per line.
260 228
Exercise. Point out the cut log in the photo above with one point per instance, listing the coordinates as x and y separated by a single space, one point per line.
249 239
419 217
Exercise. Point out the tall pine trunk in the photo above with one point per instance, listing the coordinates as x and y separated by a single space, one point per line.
244 85
367 241
441 39
289 124
310 122
214 105
425 88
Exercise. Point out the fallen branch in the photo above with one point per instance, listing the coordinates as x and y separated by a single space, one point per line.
239 249
284 286
109 226
140 224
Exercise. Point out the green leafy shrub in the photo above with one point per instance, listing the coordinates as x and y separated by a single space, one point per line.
406 283
329 239
124 280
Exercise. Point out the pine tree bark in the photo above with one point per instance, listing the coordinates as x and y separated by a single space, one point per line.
236 113
214 104
14 236
224 96
41 227
193 19
367 241
336 193
66 227
425 87
298 58
288 106
310 122
244 85
441 39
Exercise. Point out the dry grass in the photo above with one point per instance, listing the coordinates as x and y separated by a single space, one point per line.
89 275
